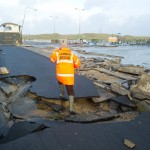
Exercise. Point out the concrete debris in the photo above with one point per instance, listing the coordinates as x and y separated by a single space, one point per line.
4 70
124 100
142 87
137 70
111 64
23 108
7 88
119 89
104 95
129 143
117 79
119 75
102 77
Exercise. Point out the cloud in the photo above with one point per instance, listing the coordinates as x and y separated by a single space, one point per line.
127 17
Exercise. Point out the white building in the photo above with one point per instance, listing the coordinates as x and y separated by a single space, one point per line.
10 27
10 33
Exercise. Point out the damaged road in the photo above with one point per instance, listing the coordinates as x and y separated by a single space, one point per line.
21 106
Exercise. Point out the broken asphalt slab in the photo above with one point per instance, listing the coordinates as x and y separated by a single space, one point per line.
21 61
21 129
124 100
104 136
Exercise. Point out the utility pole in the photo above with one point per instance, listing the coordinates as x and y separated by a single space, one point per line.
21 32
25 16
79 10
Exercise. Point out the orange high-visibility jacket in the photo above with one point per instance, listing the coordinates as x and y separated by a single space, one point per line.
66 61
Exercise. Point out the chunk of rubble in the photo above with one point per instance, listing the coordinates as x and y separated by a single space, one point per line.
137 70
124 100
129 143
4 70
21 129
104 96
117 88
110 65
7 88
97 75
19 80
23 108
142 88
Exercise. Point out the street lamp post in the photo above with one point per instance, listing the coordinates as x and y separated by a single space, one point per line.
79 10
54 20
25 16
20 37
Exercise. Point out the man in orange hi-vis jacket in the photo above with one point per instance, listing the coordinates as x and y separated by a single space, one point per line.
65 61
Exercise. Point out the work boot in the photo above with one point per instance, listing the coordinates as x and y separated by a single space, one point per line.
71 103
62 92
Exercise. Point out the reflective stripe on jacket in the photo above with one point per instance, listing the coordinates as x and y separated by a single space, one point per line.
66 61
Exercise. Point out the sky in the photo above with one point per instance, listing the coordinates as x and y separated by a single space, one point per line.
124 17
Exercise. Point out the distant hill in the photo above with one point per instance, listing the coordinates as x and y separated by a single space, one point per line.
87 36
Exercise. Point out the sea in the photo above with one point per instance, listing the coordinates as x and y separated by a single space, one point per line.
132 55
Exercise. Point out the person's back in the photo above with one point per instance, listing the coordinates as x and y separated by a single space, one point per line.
65 67
66 62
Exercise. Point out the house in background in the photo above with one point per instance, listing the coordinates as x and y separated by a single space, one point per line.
10 33
113 40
